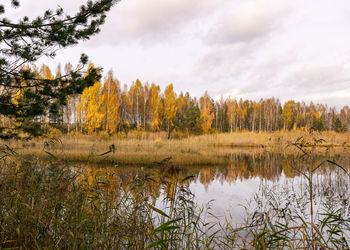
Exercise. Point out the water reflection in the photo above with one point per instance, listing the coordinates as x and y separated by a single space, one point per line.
226 188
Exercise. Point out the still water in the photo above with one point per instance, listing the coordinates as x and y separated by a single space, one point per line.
229 190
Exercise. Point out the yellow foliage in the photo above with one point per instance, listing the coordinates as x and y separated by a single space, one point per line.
103 135
122 135
154 103
89 108
127 123
45 72
170 108
110 105
74 133
53 132
207 114
16 96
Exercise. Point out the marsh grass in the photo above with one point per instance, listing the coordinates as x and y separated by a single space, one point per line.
44 206
144 148
47 205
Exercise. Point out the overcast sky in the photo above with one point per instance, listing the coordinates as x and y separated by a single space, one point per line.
292 49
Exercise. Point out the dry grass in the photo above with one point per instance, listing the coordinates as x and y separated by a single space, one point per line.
144 148
52 206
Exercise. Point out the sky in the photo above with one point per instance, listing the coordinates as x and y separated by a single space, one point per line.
252 49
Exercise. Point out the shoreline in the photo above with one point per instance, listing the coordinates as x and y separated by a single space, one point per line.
193 151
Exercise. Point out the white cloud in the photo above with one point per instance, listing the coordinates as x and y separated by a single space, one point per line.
152 21
225 61
244 48
248 20
290 51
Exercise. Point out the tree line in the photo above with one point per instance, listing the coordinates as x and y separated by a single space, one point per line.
110 107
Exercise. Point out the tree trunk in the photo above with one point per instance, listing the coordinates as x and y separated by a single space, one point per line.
169 130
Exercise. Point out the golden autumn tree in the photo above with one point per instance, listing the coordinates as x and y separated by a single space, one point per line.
169 108
110 104
207 114
288 116
45 72
89 108
154 106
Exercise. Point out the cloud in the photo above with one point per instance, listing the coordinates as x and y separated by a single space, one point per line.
243 48
236 43
222 62
287 78
152 21
259 51
135 20
248 21
148 21
318 77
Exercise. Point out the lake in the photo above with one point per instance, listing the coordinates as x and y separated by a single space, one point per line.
256 200
247 182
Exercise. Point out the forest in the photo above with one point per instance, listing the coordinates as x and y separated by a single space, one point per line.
112 107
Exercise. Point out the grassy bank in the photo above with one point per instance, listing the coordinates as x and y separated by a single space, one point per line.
144 148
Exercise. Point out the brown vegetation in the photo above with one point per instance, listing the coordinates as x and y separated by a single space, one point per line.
145 148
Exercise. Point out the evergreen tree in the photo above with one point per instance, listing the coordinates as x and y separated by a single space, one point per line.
24 42
192 118
338 127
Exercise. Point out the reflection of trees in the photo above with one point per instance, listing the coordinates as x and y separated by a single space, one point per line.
289 168
91 176
265 166
206 176
142 184
149 183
